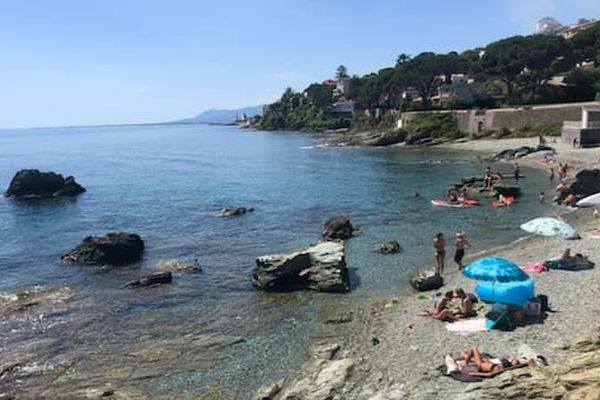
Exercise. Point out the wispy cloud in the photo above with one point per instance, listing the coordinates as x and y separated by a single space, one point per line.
527 13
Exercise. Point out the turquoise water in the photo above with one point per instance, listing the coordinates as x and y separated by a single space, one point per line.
167 182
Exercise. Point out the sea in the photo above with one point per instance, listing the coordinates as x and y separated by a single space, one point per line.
168 182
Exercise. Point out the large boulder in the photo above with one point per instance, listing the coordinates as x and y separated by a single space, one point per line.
321 267
426 280
339 227
586 183
475 187
33 184
112 249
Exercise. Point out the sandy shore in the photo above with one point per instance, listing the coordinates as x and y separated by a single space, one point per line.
395 352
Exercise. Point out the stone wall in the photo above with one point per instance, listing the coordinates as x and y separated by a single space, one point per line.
474 122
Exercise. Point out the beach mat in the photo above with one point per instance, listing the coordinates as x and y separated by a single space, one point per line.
466 326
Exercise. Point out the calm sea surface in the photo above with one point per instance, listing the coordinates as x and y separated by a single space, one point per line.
167 182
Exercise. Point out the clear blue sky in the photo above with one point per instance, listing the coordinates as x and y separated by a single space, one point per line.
68 62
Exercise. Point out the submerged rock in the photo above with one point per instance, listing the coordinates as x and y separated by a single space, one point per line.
233 211
426 280
153 279
33 184
176 265
321 267
390 247
112 249
339 227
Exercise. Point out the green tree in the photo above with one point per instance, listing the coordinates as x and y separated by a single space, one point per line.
341 73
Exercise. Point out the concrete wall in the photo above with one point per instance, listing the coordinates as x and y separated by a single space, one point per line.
473 122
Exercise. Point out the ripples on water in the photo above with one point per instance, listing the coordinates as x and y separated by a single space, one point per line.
167 182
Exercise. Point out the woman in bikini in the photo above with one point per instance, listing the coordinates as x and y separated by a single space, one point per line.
439 245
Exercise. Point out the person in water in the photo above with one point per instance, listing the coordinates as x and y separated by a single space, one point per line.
541 198
517 172
439 245
465 308
551 177
461 243
487 178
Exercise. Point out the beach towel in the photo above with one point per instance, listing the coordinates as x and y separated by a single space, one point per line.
537 267
466 326
459 376
559 264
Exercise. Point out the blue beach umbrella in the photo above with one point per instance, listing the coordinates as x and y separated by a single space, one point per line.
494 269
501 281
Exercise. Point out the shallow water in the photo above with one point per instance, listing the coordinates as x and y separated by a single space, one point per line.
167 182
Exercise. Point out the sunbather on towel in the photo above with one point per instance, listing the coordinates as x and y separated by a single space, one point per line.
465 308
473 363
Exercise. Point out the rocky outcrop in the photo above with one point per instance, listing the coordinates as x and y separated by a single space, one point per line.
510 154
391 247
426 280
176 265
475 187
321 267
152 279
33 184
233 211
586 183
112 249
322 378
577 378
370 138
339 227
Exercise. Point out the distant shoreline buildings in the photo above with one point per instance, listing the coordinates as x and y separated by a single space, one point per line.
550 26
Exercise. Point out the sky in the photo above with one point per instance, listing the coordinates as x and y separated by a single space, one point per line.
74 62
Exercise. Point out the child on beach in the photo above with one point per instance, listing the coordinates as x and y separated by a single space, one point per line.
461 243
439 245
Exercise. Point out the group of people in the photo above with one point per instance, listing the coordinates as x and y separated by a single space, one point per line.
442 312
439 245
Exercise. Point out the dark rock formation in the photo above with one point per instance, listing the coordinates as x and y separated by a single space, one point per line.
339 227
153 279
475 187
232 211
321 267
586 183
33 184
426 280
390 247
510 154
113 249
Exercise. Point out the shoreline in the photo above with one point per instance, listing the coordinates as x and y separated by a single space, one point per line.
387 351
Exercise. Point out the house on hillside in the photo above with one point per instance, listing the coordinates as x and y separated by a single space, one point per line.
342 86
342 106
575 29
585 133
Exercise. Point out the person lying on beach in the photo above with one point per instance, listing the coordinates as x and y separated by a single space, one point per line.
473 363
465 308
571 261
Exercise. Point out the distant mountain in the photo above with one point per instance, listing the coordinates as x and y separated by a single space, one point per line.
214 116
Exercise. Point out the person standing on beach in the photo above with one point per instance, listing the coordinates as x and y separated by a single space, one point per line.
461 244
439 245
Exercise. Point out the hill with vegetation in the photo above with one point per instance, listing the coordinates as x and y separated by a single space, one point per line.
520 70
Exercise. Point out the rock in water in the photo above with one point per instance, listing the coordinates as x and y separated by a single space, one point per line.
321 267
232 211
153 279
176 265
426 280
339 227
33 184
587 182
112 249
390 247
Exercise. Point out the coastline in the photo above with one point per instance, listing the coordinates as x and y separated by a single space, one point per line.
387 351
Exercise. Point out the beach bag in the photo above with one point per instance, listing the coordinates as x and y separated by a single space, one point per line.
543 299
533 307
500 320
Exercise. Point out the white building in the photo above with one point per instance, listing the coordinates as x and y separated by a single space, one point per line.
547 26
